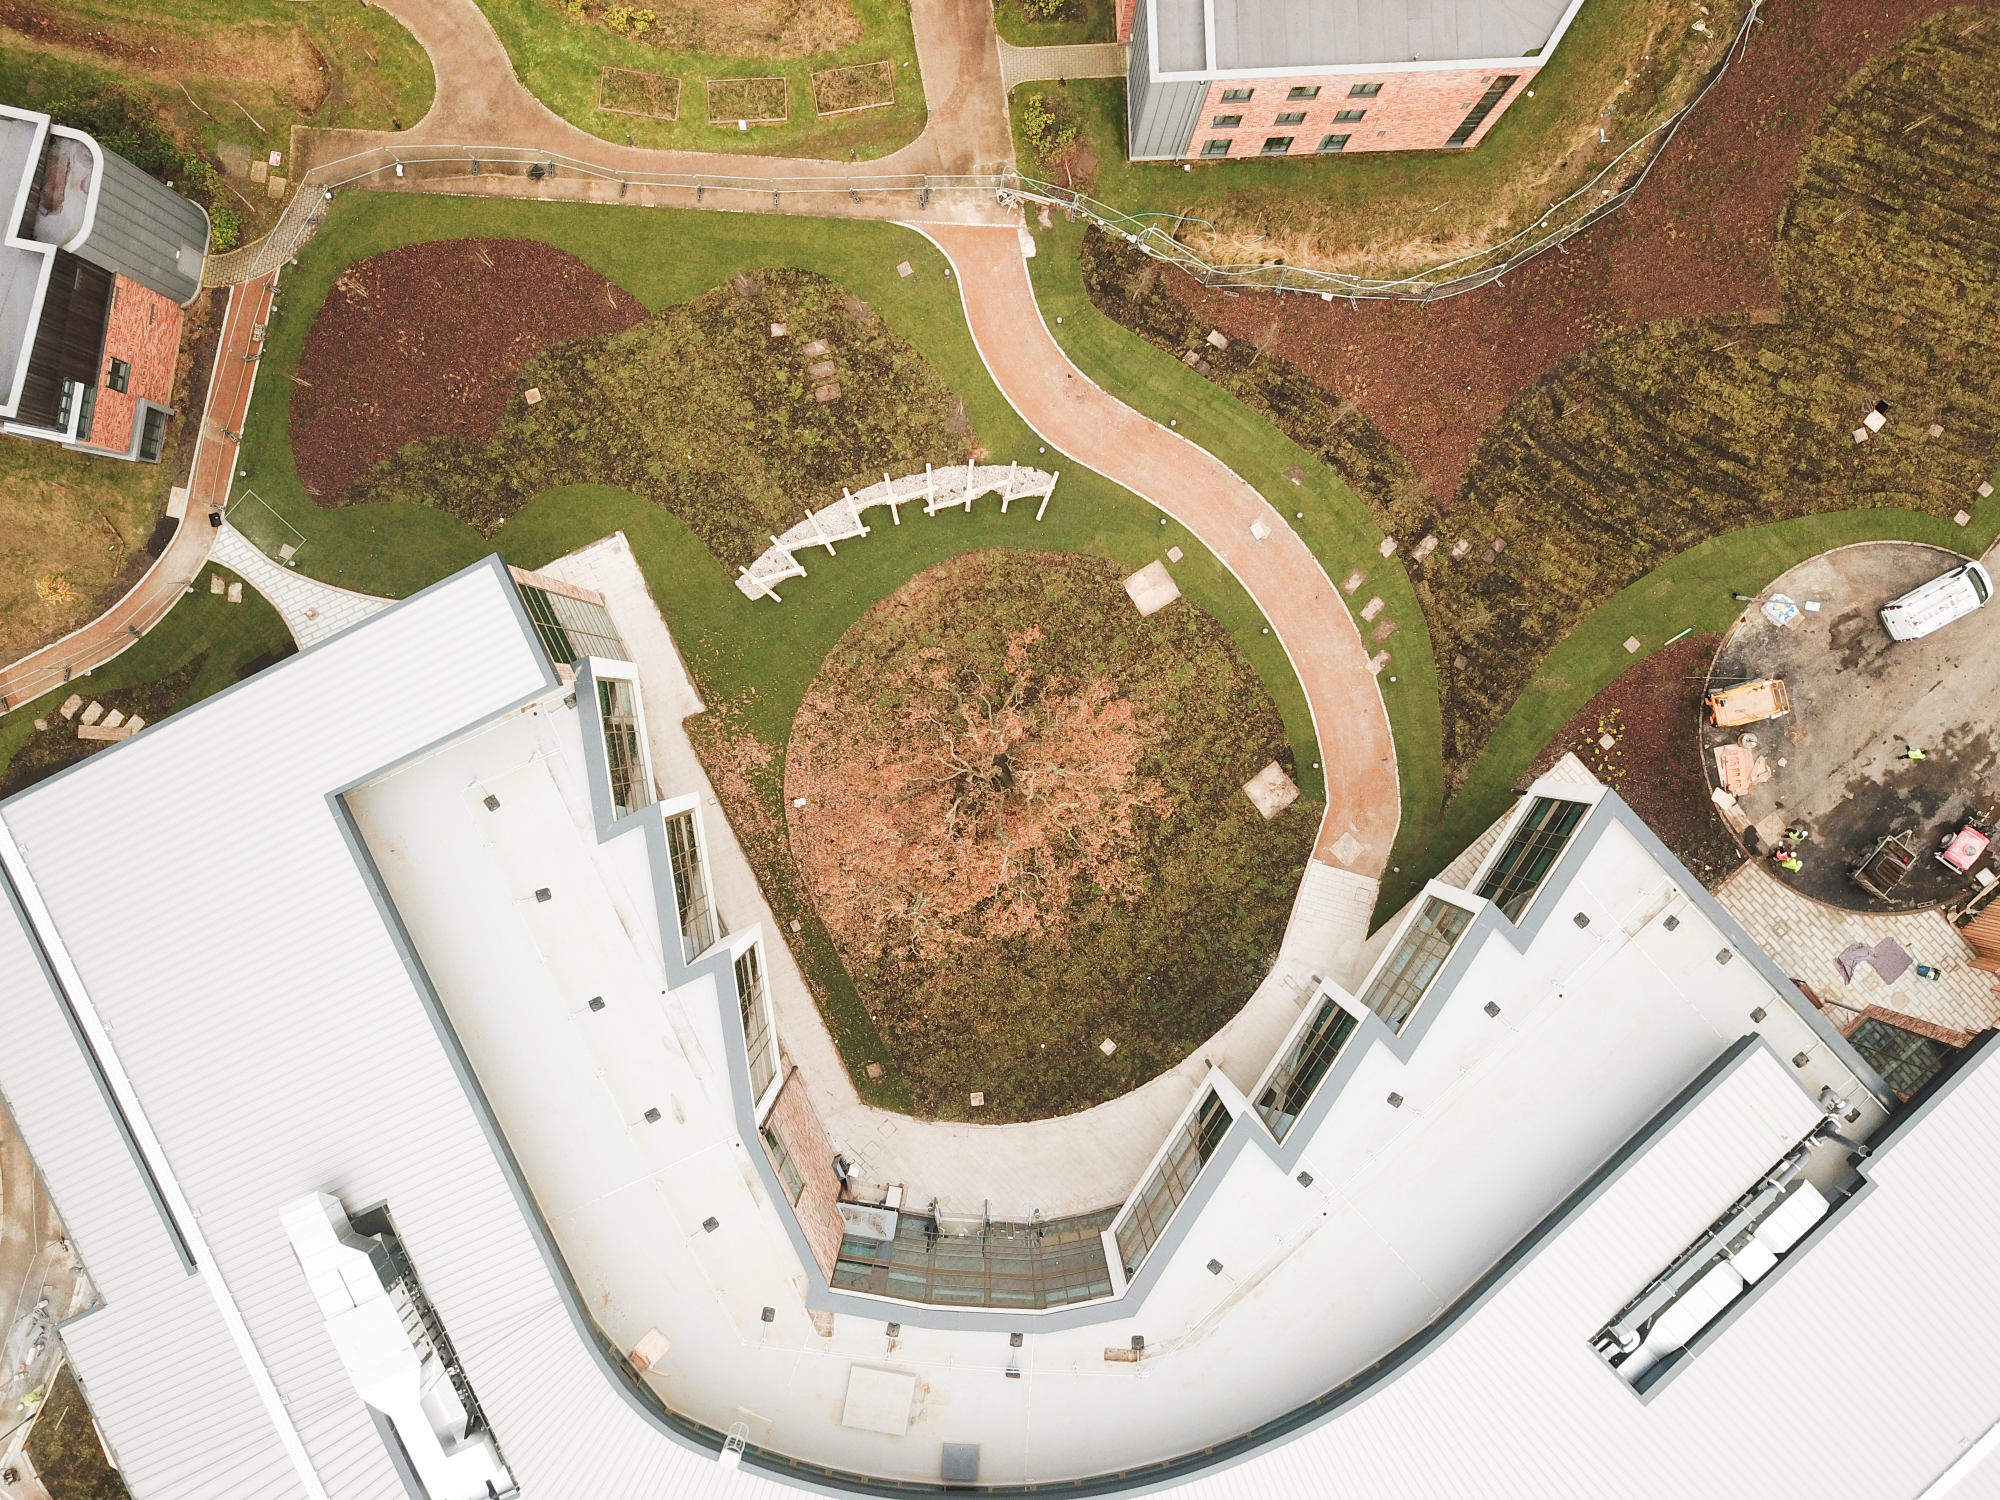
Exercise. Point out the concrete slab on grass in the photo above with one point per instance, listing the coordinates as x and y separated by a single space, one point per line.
1152 588
1271 791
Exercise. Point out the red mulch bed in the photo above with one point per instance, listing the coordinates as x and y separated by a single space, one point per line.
1696 239
426 341
1653 711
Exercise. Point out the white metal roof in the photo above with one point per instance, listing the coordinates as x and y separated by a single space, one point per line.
261 1024
1273 38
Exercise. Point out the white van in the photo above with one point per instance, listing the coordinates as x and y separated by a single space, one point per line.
1937 603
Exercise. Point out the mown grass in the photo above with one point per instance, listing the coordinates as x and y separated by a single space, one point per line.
560 58
1624 66
213 71
201 647
1327 514
69 1461
753 661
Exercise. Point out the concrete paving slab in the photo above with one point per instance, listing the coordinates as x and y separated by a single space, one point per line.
1152 588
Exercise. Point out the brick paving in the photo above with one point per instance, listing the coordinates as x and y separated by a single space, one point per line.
311 610
1805 937
1039 64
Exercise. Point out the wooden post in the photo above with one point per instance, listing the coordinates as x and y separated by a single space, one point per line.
894 511
968 488
1043 507
1008 493
930 492
785 553
853 511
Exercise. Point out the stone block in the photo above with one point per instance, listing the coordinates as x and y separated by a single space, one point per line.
1174 554
1388 547
1152 588
815 349
275 188
1963 517
70 705
259 171
1218 338
216 585
1354 581
1632 643
1423 549
1259 530
1107 1046
904 268
113 719
1271 791
93 713
777 330
235 593
824 370
828 392
1372 608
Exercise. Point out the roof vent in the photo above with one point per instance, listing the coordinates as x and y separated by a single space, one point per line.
710 1225
895 1330
1395 1101
1215 1268
1724 956
652 1117
769 1315
570 701
543 894
1138 1343
1581 920
1758 1014
1801 1059
492 803
1492 1008
1013 1340
1305 1179
1671 923
597 1002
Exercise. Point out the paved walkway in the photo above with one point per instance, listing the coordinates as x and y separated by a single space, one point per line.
1805 937
229 386
311 610
1036 64
1206 496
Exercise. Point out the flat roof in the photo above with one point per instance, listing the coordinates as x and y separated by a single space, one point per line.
284 999
1306 36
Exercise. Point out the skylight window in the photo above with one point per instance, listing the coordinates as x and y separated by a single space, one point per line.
1294 1079
624 751
1415 961
759 1041
696 908
1539 839
1147 1215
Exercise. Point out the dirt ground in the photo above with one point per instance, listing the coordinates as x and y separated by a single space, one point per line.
1023 825
1859 701
1698 238
426 341
1655 760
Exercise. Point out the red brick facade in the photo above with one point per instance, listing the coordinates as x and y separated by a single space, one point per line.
796 1123
143 331
1125 10
1415 111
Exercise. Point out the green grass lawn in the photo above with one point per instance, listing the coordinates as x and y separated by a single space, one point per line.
1390 212
206 72
753 660
1075 21
561 60
64 1449
1335 524
201 647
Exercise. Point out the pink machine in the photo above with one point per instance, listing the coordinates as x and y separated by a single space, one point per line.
1963 849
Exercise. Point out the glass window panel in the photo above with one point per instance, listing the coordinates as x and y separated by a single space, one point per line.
1907 1060
1415 961
1276 145
1291 117
1348 116
1470 125
572 629
1333 143
618 712
758 1041
1304 91
1215 148
1225 122
1304 1066
1153 1205
697 913
1237 96
781 1160
1539 838
1002 1265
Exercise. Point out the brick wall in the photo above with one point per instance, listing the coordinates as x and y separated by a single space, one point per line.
796 1123
144 330
1414 111
1125 10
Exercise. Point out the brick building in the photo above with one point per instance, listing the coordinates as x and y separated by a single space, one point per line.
1216 79
96 263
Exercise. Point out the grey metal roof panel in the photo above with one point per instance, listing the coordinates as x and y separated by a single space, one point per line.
1182 35
1253 35
145 230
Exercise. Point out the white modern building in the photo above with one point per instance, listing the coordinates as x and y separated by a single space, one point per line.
422 1118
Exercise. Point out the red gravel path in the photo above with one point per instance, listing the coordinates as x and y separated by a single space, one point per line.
426 341
1696 239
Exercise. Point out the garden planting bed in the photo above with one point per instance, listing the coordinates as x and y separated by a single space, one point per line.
1692 365
426 341
1024 827
863 86
755 101
627 91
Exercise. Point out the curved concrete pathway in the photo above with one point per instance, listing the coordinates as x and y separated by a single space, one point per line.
1198 490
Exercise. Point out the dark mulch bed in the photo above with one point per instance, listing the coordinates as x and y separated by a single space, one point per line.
426 341
1651 711
1698 238
48 751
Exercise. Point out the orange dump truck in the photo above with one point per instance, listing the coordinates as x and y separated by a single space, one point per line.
1750 703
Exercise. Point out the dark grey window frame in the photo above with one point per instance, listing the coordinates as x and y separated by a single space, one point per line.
1209 148
1332 143
1291 117
1277 145
1364 91
1225 122
1409 969
1153 1204
1306 1062
1531 852
1303 91
1348 116
1469 126
1237 96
